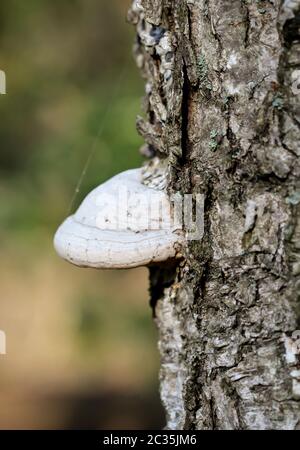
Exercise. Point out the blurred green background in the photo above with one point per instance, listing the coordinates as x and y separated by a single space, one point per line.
81 344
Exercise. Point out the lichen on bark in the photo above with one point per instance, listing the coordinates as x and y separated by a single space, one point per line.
222 111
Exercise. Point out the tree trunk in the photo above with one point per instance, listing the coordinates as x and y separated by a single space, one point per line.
222 92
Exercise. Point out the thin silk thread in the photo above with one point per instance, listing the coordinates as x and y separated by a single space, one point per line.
96 138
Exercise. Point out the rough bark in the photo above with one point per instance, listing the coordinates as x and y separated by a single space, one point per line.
221 109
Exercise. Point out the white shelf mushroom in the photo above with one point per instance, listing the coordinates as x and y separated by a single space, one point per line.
120 224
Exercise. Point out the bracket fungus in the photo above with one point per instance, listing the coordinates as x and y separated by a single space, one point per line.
122 223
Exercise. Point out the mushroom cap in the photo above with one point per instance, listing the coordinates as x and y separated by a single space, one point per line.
121 224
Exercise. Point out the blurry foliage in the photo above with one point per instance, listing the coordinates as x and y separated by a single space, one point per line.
98 318
72 91
72 87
